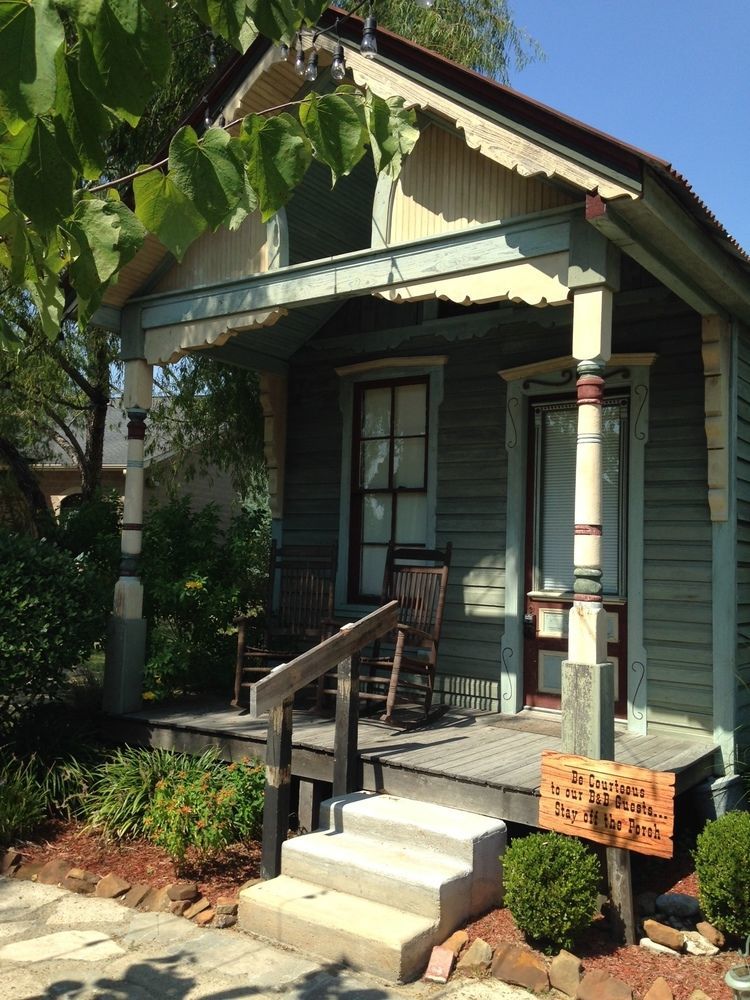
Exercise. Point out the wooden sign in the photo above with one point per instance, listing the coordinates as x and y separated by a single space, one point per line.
613 804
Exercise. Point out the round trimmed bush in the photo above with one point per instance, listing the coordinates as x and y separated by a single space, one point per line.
551 887
722 864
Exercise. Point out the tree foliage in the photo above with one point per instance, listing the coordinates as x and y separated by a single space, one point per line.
70 71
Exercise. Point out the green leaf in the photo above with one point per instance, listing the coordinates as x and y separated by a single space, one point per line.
107 236
393 132
43 181
83 12
313 9
14 147
10 340
207 172
278 155
165 211
125 55
336 126
48 297
30 35
276 19
226 18
85 120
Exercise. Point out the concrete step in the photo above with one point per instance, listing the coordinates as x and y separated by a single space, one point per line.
478 840
424 882
339 927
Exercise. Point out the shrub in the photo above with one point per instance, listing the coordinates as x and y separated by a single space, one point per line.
22 803
196 578
48 622
722 864
551 887
247 779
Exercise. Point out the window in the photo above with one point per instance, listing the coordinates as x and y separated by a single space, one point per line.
389 494
555 429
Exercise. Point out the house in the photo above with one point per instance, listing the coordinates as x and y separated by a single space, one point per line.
425 347
59 475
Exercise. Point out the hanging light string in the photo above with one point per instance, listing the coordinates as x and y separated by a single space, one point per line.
308 67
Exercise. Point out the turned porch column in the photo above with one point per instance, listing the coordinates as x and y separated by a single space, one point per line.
126 637
588 726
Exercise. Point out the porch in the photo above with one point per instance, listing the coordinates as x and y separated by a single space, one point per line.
481 762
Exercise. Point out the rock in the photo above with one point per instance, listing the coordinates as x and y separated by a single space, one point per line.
710 933
28 872
197 907
659 949
513 964
647 904
135 896
227 905
456 941
225 920
178 907
598 985
678 904
10 861
662 934
111 887
565 973
659 990
182 890
696 944
440 966
156 901
204 918
55 871
80 881
476 958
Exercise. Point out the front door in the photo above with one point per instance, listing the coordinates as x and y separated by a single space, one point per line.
549 544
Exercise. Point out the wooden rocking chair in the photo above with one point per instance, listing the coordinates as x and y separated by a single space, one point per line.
403 663
299 604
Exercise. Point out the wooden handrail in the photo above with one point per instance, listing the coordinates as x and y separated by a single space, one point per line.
275 694
284 681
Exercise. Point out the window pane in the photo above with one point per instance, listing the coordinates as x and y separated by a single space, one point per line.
374 465
376 517
408 462
376 413
557 500
411 519
411 409
372 569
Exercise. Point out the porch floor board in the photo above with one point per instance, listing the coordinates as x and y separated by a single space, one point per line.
479 761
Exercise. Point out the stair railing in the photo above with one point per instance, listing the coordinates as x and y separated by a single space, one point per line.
275 694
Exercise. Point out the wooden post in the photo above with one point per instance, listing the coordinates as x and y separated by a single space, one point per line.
345 763
278 787
621 893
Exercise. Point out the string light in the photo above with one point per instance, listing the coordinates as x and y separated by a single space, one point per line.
299 58
369 46
213 62
311 69
338 66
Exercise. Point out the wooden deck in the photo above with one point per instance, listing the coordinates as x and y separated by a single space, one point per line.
480 762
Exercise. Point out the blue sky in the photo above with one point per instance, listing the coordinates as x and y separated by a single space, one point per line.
669 76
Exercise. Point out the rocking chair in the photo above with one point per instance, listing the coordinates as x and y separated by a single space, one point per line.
403 663
299 603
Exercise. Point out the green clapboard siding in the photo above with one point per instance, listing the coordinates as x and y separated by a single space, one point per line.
677 540
472 487
743 541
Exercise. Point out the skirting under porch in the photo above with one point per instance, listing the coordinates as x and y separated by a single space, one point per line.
480 762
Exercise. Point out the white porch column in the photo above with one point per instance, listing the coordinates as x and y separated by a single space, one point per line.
126 639
587 677
273 401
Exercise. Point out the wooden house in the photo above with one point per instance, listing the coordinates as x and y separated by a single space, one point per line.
518 254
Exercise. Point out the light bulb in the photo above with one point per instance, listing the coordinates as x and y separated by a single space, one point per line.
283 51
212 60
369 46
311 70
338 66
299 60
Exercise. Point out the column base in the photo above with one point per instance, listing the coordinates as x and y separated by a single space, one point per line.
588 709
124 661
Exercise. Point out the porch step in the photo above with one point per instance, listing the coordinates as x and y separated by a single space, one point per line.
334 897
423 881
478 840
338 927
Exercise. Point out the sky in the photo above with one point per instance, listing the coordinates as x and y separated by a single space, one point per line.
671 77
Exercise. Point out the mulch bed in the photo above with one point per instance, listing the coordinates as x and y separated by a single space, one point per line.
139 861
